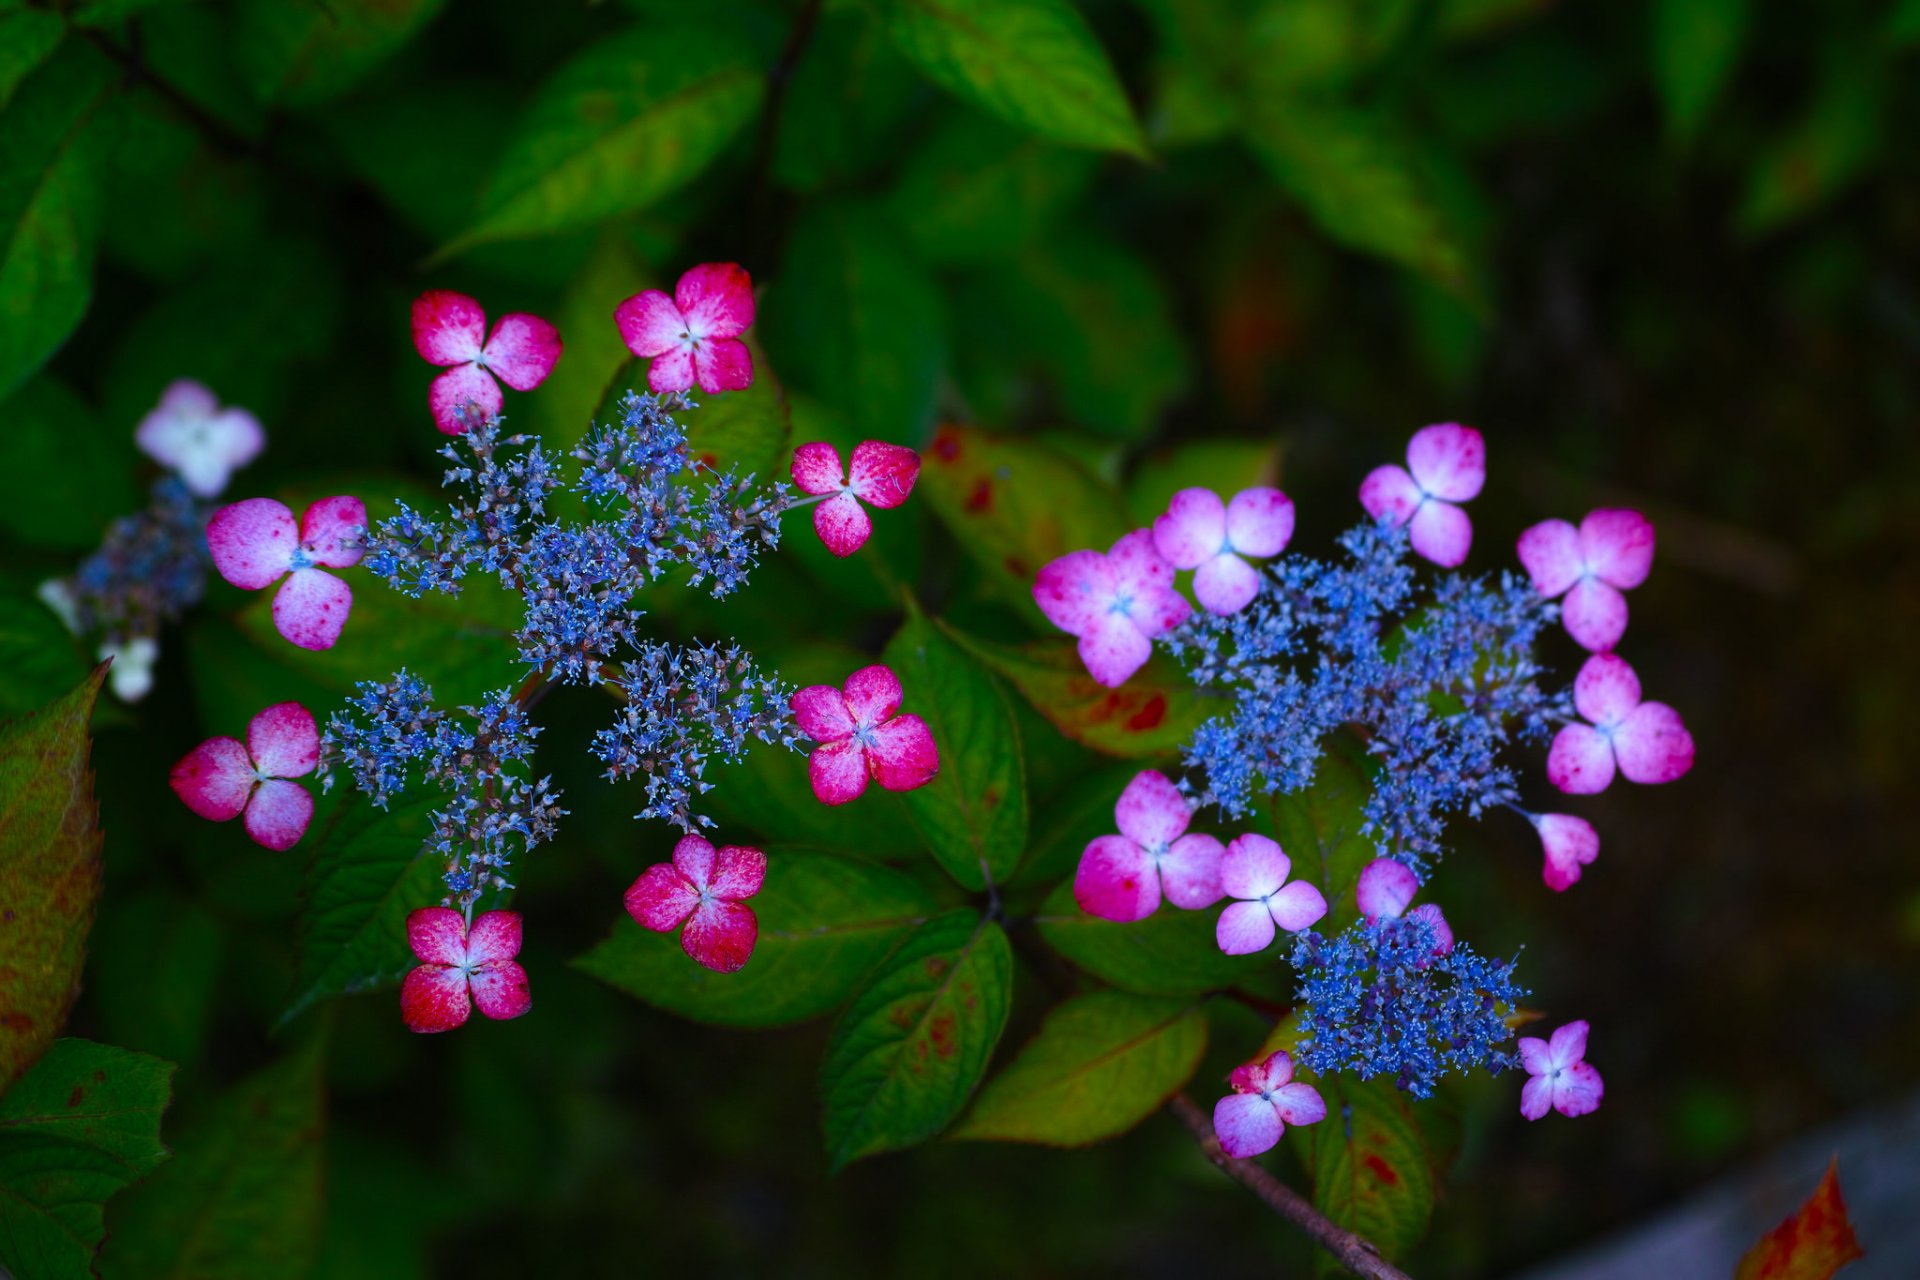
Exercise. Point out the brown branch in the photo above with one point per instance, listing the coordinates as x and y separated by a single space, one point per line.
1355 1253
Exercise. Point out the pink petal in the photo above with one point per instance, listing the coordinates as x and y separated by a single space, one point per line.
1244 928
1253 867
1246 1124
661 898
821 711
331 529
722 364
1297 906
1116 880
1580 762
1606 689
495 937
717 299
738 872
1534 1056
1275 1071
1113 649
448 327
873 694
1570 843
311 608
1250 1077
185 398
1389 491
1386 888
1618 546
1442 931
463 397
189 433
1578 1090
1442 533
838 772
843 524
1139 570
693 854
1550 553
816 468
278 814
1568 1045
1448 461
284 741
1190 872
1226 584
1157 610
1595 615
252 542
1260 522
1193 530
522 351
438 935
903 755
434 998
214 779
1299 1104
1075 591
671 370
650 324
1151 811
1536 1098
1652 744
500 989
883 474
720 936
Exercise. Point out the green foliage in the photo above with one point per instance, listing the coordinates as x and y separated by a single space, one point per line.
1152 714
1696 44
303 54
977 190
51 497
36 653
1374 1171
1170 953
1321 829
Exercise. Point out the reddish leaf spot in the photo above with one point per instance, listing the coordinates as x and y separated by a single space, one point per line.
902 1016
981 499
1018 567
937 967
73 1099
711 461
1149 716
16 1021
941 1032
946 445
1380 1169
990 797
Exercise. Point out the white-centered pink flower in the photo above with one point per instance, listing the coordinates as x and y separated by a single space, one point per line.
1202 533
861 737
882 475
1265 1100
189 433
1446 465
694 336
1569 843
256 542
450 330
1115 603
1254 869
704 889
223 778
1647 741
1122 877
458 969
1561 1080
1611 552
1385 891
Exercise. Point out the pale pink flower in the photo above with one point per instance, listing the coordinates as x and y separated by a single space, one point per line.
1560 1081
256 542
1122 877
189 433
1646 740
704 889
862 737
1265 1100
1446 465
1385 891
1201 533
223 778
882 474
1611 552
1569 844
1254 869
459 969
694 336
450 330
1116 603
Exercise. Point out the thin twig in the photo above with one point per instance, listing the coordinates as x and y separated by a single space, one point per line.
218 134
760 179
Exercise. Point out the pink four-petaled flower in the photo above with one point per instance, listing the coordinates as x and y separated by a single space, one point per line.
1122 877
1265 1100
1569 843
1561 1081
1254 869
694 336
862 737
703 888
1646 740
450 330
882 474
256 542
458 969
1201 533
1611 552
1116 603
1385 890
223 777
1446 465
202 443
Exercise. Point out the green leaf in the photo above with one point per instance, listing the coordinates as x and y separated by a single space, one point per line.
825 922
49 870
1071 818
633 118
1101 1064
977 190
28 38
70 477
911 1048
1225 466
1373 1170
1824 151
81 1125
1321 828
848 108
1903 24
974 812
1695 46
36 651
1033 63
1170 953
303 52
156 971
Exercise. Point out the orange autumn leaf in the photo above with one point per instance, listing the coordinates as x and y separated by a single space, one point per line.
1812 1244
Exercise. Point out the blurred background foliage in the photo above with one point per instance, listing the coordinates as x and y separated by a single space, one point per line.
1660 253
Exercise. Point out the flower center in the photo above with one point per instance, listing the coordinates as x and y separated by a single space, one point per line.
1122 605
301 560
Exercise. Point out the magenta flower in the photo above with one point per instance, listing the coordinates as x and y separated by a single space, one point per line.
1647 740
1561 1080
189 433
1611 552
694 336
458 969
1122 877
222 777
450 330
1570 844
1265 1100
1116 603
1386 890
255 543
1254 869
703 888
1446 465
861 737
1201 533
883 474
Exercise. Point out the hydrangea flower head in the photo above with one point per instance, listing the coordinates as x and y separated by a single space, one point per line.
1115 603
1647 741
1386 890
1446 465
1569 843
459 969
223 778
1265 1100
1561 1080
190 434
704 889
1611 552
1202 533
256 542
450 330
882 474
1254 869
1121 877
693 338
861 736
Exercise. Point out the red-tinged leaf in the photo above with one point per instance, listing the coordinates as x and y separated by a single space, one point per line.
1812 1244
